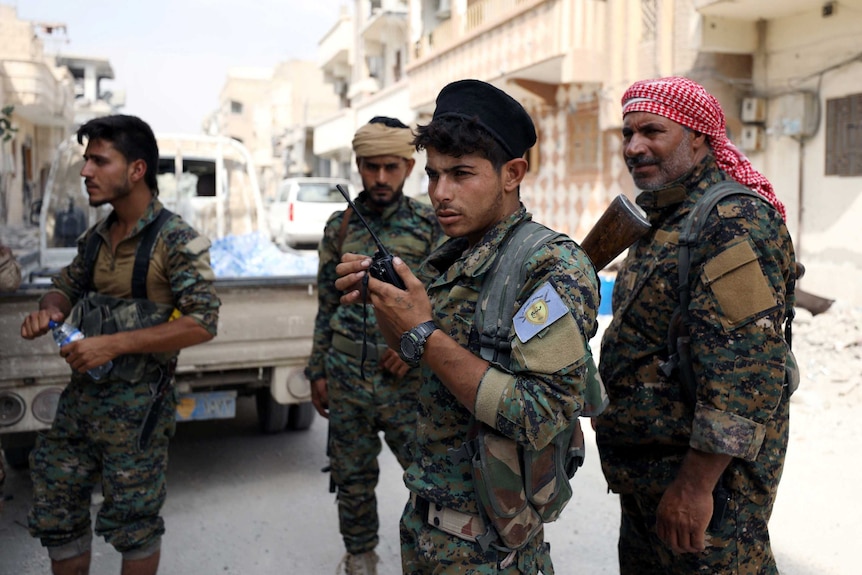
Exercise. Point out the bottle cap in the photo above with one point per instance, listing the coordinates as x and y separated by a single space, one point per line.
52 324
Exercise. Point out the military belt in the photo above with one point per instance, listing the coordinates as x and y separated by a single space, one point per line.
354 348
462 525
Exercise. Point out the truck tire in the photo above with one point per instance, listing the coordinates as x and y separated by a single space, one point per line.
271 415
300 416
17 448
18 457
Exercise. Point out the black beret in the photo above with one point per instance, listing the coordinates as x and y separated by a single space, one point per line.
495 110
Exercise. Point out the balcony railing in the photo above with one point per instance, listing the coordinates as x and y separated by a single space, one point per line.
334 49
36 93
755 9
543 41
480 14
332 136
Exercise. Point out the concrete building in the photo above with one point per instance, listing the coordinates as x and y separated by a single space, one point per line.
785 72
272 111
41 95
567 62
364 57
801 108
92 97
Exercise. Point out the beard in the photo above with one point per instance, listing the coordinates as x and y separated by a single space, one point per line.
381 203
670 169
117 192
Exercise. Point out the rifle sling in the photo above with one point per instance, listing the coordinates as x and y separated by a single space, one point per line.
692 227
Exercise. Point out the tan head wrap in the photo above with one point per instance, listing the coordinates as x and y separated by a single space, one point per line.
381 140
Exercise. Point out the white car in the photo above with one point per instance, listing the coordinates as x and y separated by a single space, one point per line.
298 213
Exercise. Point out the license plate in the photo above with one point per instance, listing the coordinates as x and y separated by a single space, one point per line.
206 405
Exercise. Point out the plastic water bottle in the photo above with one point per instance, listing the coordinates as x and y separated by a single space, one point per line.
65 334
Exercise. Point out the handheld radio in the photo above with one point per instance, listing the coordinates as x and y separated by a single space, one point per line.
381 264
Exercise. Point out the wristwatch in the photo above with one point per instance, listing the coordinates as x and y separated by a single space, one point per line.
413 342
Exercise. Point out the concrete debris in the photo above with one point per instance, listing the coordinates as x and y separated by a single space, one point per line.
828 348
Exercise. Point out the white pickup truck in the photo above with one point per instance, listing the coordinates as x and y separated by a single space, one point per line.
266 320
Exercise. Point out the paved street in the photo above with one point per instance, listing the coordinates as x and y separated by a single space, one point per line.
241 503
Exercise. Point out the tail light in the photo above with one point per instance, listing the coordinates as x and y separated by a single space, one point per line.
290 212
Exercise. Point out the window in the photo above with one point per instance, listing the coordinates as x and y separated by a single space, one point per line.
375 67
844 136
649 20
396 69
235 107
326 193
582 126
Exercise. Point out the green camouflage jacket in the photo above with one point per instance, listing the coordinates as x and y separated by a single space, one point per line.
740 267
408 229
179 274
544 391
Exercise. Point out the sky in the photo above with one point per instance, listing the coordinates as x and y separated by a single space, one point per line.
172 56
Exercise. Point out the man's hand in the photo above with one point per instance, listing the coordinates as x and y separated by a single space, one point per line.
392 363
36 323
350 271
320 397
682 517
85 354
397 310
685 509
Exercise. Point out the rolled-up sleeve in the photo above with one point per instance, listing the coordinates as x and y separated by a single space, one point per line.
737 336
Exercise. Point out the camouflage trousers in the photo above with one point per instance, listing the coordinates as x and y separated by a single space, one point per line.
426 550
358 411
739 547
94 440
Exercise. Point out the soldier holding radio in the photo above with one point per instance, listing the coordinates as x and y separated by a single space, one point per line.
359 384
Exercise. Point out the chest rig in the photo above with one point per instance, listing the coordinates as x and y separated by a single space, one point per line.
518 488
99 314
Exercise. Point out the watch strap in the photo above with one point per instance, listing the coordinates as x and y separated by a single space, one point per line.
424 329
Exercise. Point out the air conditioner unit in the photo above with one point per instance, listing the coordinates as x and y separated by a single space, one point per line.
753 110
798 115
752 139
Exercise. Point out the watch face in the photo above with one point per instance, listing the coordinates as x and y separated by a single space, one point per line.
408 347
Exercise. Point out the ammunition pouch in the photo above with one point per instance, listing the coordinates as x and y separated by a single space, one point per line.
519 488
98 314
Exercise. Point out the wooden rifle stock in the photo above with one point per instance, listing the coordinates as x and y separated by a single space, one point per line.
620 226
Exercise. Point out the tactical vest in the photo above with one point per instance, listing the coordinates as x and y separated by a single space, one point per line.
679 342
518 488
98 314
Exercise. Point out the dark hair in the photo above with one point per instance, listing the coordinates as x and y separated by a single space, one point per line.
457 136
130 136
388 122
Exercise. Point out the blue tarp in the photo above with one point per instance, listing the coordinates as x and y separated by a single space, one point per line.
254 255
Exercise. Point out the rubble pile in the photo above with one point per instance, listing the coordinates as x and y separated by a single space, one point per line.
828 348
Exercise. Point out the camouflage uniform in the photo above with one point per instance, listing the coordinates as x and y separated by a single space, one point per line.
94 435
739 354
360 407
539 398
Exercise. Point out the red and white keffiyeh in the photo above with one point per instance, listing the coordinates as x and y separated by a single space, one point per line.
688 103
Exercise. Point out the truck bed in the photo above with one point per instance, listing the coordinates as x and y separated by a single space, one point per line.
262 321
